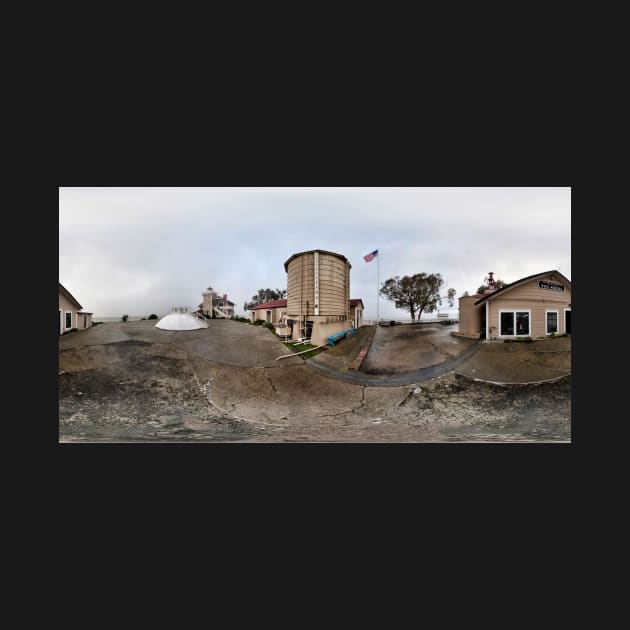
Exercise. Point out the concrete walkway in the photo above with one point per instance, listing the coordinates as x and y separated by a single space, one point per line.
411 348
224 341
493 362
519 363
147 387
394 380
243 345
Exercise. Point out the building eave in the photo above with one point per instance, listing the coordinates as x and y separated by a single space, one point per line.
518 283
69 296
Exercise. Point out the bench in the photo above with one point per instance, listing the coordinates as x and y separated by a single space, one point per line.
339 335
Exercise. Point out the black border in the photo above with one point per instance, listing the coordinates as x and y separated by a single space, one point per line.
348 147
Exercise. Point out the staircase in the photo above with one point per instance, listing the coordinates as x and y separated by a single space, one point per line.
221 311
200 317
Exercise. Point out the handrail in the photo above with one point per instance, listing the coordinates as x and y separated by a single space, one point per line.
302 352
219 310
202 318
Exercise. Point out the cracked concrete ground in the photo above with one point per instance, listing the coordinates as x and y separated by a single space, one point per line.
133 383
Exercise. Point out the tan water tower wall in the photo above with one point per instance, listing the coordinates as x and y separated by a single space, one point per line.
300 285
334 285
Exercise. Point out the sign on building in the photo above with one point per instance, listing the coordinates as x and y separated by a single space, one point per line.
543 284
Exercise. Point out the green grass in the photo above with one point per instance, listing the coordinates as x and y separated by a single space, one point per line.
304 346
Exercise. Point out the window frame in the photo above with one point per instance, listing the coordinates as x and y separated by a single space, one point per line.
65 323
514 311
557 312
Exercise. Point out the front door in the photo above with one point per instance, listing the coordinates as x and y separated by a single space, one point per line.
567 322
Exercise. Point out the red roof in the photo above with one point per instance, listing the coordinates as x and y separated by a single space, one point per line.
272 304
356 301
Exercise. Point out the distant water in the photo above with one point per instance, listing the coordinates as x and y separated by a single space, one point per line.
131 318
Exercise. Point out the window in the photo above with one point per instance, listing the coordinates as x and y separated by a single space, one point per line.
513 323
507 323
522 323
68 319
551 322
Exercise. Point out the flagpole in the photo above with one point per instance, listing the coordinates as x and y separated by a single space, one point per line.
378 282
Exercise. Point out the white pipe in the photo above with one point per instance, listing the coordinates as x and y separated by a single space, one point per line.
302 352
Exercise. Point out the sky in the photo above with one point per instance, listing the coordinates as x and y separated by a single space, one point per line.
139 251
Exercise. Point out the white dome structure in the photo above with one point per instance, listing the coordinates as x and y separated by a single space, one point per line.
181 319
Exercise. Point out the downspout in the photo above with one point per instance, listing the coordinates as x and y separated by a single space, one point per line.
348 289
487 322
316 287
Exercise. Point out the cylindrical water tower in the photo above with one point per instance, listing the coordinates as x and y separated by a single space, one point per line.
318 295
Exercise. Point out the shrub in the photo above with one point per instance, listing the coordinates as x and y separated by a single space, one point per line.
153 316
258 322
74 330
124 318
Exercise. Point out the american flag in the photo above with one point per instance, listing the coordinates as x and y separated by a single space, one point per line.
371 256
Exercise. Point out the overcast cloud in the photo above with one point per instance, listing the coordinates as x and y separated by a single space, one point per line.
144 250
